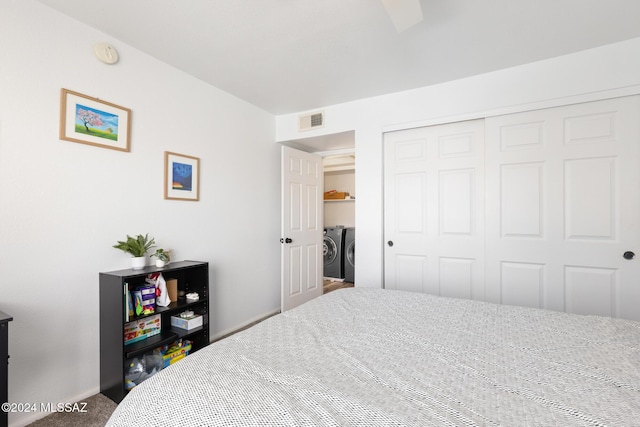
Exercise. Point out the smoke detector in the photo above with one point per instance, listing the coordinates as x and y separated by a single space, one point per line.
106 53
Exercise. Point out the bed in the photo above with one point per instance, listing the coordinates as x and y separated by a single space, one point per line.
373 357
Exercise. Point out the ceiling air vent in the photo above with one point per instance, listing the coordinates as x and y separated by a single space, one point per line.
311 121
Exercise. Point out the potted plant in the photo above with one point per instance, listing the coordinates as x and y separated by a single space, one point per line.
163 257
137 247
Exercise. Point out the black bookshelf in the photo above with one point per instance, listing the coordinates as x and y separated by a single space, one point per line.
192 276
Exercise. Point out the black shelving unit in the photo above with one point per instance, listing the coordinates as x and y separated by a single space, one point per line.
192 276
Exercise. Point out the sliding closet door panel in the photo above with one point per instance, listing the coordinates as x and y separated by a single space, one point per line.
406 257
562 208
409 215
522 203
457 210
590 198
526 279
434 210
456 277
591 290
410 272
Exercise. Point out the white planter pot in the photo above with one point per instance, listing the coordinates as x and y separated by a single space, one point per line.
138 263
160 263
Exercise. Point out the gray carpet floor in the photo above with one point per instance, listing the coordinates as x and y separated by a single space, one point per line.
98 410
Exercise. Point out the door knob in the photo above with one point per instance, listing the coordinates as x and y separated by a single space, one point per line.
629 255
287 240
390 243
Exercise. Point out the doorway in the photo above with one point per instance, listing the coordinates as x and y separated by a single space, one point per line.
338 151
339 221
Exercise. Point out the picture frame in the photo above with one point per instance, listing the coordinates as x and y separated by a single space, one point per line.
93 121
181 177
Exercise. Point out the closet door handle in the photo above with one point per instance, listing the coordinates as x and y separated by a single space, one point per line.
287 240
390 243
628 255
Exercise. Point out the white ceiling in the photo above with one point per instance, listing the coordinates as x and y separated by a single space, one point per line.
290 56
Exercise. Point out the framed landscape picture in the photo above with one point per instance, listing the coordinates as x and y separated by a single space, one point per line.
93 121
181 177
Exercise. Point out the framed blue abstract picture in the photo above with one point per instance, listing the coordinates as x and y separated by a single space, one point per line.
181 177
93 121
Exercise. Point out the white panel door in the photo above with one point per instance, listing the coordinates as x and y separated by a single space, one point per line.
434 210
301 243
563 207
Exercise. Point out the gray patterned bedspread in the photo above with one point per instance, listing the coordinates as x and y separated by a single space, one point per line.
372 357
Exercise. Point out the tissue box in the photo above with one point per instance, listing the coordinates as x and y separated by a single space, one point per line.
141 329
187 323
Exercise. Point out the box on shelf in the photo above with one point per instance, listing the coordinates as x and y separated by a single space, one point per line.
335 195
148 299
141 329
172 289
187 323
177 351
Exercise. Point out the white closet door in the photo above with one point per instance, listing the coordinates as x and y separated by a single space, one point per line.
434 210
562 208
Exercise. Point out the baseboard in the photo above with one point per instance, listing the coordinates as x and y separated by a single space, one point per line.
246 325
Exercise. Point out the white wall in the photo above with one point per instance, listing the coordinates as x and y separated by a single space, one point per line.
603 72
63 205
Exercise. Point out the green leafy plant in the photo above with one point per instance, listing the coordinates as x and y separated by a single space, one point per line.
162 255
136 246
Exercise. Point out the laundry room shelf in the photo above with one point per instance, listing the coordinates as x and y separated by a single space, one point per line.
339 200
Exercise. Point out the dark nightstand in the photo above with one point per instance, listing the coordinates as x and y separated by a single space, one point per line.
4 365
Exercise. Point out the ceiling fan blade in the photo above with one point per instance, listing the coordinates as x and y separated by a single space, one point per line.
403 13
